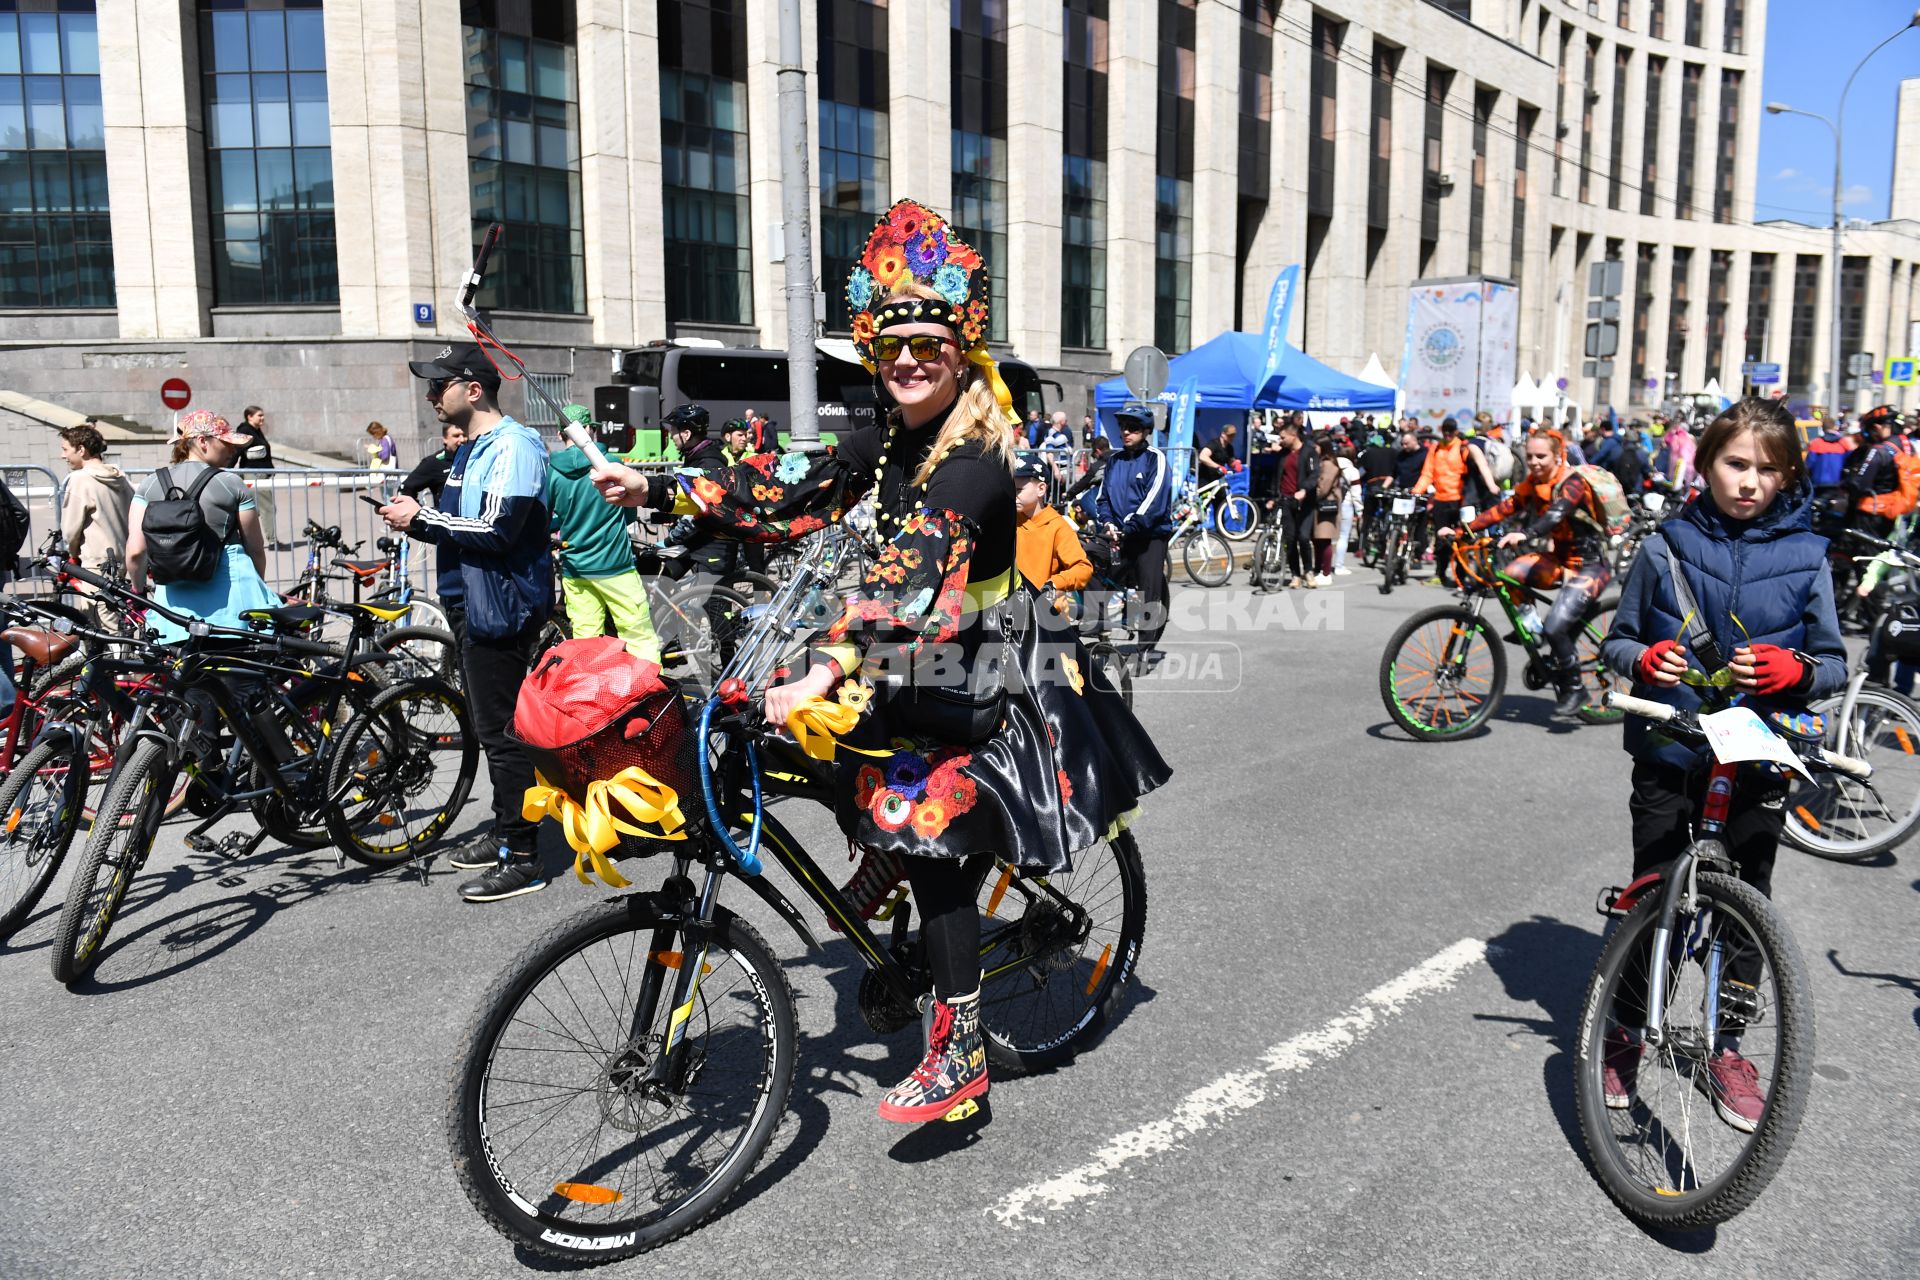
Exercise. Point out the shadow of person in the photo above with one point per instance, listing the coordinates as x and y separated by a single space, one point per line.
1898 981
1546 962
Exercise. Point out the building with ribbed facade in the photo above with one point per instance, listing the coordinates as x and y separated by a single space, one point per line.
274 199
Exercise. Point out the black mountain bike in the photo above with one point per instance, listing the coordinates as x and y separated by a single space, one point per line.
1401 511
626 1072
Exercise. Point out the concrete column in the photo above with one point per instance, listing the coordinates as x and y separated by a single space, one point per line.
1738 295
620 170
1780 315
1693 361
1340 325
1874 337
156 169
1216 166
396 102
1905 201
1133 53
1496 245
919 44
763 156
1035 114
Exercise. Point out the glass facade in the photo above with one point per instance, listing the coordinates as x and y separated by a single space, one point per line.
1323 85
1617 161
703 136
1805 322
1697 23
1522 159
1386 62
1657 19
1257 19
1083 224
1483 104
56 246
1642 315
1589 99
269 153
1853 306
1727 149
1689 139
854 175
1439 80
1719 271
978 61
1173 178
1759 304
1680 295
1733 32
523 151
1650 134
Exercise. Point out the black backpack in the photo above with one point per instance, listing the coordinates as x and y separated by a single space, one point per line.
181 545
14 528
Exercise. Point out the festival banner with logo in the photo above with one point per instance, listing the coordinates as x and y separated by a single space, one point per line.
1180 434
1279 313
1461 356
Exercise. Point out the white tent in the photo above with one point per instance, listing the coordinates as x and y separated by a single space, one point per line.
1526 394
1376 373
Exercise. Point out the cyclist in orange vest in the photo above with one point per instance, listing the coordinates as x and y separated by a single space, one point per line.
1453 470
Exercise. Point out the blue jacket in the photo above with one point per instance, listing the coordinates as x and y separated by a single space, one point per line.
1604 452
494 509
1771 570
1827 460
1137 492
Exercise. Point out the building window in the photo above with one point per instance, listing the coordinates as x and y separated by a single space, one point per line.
1483 104
1696 23
1642 314
1759 304
1650 134
854 175
1624 18
1617 160
1439 80
1657 19
1083 223
1689 136
1386 61
1806 318
1173 177
1728 151
269 153
1522 156
1589 98
1256 133
1719 268
1733 34
1323 123
56 248
1560 107
1853 306
1678 299
703 145
978 66
523 152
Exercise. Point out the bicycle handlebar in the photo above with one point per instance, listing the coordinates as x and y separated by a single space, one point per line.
1665 714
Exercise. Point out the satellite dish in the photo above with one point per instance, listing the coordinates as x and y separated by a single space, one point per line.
1146 373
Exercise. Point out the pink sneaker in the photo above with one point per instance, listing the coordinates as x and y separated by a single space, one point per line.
1619 1068
1734 1085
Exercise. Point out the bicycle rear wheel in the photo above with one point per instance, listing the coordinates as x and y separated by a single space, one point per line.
1206 557
1055 952
122 837
559 1135
1835 816
40 804
400 772
698 627
1594 675
1393 562
1663 1146
1443 673
1238 517
422 653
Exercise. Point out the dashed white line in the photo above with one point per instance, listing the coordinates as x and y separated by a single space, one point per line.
1239 1091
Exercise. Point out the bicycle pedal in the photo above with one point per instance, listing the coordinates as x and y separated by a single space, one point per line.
202 844
892 904
962 1111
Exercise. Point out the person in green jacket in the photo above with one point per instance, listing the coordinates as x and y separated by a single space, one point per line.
597 575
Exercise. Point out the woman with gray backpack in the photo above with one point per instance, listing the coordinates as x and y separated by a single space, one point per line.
194 531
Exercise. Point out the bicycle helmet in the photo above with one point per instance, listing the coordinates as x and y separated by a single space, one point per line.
688 417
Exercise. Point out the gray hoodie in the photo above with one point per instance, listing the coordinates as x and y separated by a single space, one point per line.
93 516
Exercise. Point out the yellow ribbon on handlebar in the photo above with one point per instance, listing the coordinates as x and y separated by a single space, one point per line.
591 829
817 725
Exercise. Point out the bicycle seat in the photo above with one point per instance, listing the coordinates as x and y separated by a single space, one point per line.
364 568
385 613
286 617
44 646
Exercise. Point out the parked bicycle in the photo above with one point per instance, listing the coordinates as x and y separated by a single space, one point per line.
1403 512
1697 962
1444 670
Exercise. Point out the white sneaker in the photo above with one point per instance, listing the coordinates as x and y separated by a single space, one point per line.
1323 580
1342 572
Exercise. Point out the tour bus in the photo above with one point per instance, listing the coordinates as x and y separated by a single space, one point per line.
651 381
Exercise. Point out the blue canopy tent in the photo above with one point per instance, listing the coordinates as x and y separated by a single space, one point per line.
1224 372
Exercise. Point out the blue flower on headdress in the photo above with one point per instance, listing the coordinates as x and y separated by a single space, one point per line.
950 282
860 288
925 255
792 467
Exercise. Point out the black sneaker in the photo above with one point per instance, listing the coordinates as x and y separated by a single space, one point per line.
1571 702
506 880
482 853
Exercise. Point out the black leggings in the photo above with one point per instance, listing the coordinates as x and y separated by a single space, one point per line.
948 892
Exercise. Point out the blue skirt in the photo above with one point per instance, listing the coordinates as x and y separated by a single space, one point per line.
236 586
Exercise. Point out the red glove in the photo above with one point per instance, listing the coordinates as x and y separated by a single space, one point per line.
1776 670
1651 660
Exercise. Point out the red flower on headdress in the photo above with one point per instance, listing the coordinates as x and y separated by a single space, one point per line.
888 265
863 327
961 255
907 218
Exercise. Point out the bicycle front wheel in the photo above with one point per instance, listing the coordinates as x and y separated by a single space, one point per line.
1443 673
1835 816
1055 952
1393 562
1680 1135
122 837
564 1134
40 805
1206 557
1594 676
401 771
1238 517
422 653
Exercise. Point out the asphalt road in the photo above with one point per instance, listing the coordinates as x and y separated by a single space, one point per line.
1347 1052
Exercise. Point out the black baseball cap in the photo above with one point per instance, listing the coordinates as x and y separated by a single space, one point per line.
1028 471
463 360
1141 420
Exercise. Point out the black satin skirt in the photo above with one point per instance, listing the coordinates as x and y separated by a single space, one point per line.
1066 769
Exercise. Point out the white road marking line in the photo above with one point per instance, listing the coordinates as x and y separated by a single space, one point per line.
1215 1103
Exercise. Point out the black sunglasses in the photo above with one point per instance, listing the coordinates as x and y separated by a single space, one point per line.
921 346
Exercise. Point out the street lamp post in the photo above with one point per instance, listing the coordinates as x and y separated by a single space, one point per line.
1835 271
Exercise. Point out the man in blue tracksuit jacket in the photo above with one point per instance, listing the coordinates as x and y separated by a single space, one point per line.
493 508
1137 495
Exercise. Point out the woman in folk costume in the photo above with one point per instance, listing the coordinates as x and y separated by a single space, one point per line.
969 741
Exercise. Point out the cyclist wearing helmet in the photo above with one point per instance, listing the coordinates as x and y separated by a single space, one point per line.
1871 471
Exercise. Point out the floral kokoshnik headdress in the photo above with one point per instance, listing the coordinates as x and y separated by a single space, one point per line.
913 244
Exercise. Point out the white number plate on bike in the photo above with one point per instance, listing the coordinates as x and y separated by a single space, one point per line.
1403 506
1739 734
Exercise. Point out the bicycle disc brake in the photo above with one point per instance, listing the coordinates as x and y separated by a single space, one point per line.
629 1100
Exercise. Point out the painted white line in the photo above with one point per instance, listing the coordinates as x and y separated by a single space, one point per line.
1213 1104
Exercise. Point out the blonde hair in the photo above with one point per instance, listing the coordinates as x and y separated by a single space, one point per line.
976 415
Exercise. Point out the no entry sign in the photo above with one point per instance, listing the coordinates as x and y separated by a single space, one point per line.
175 393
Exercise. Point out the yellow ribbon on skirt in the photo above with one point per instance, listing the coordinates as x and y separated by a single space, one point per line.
591 829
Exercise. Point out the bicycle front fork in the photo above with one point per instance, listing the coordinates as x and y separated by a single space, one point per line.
1679 896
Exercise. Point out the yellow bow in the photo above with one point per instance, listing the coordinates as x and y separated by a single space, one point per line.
980 356
591 829
817 724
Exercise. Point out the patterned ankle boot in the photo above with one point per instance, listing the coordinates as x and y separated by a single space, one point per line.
878 875
954 1070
